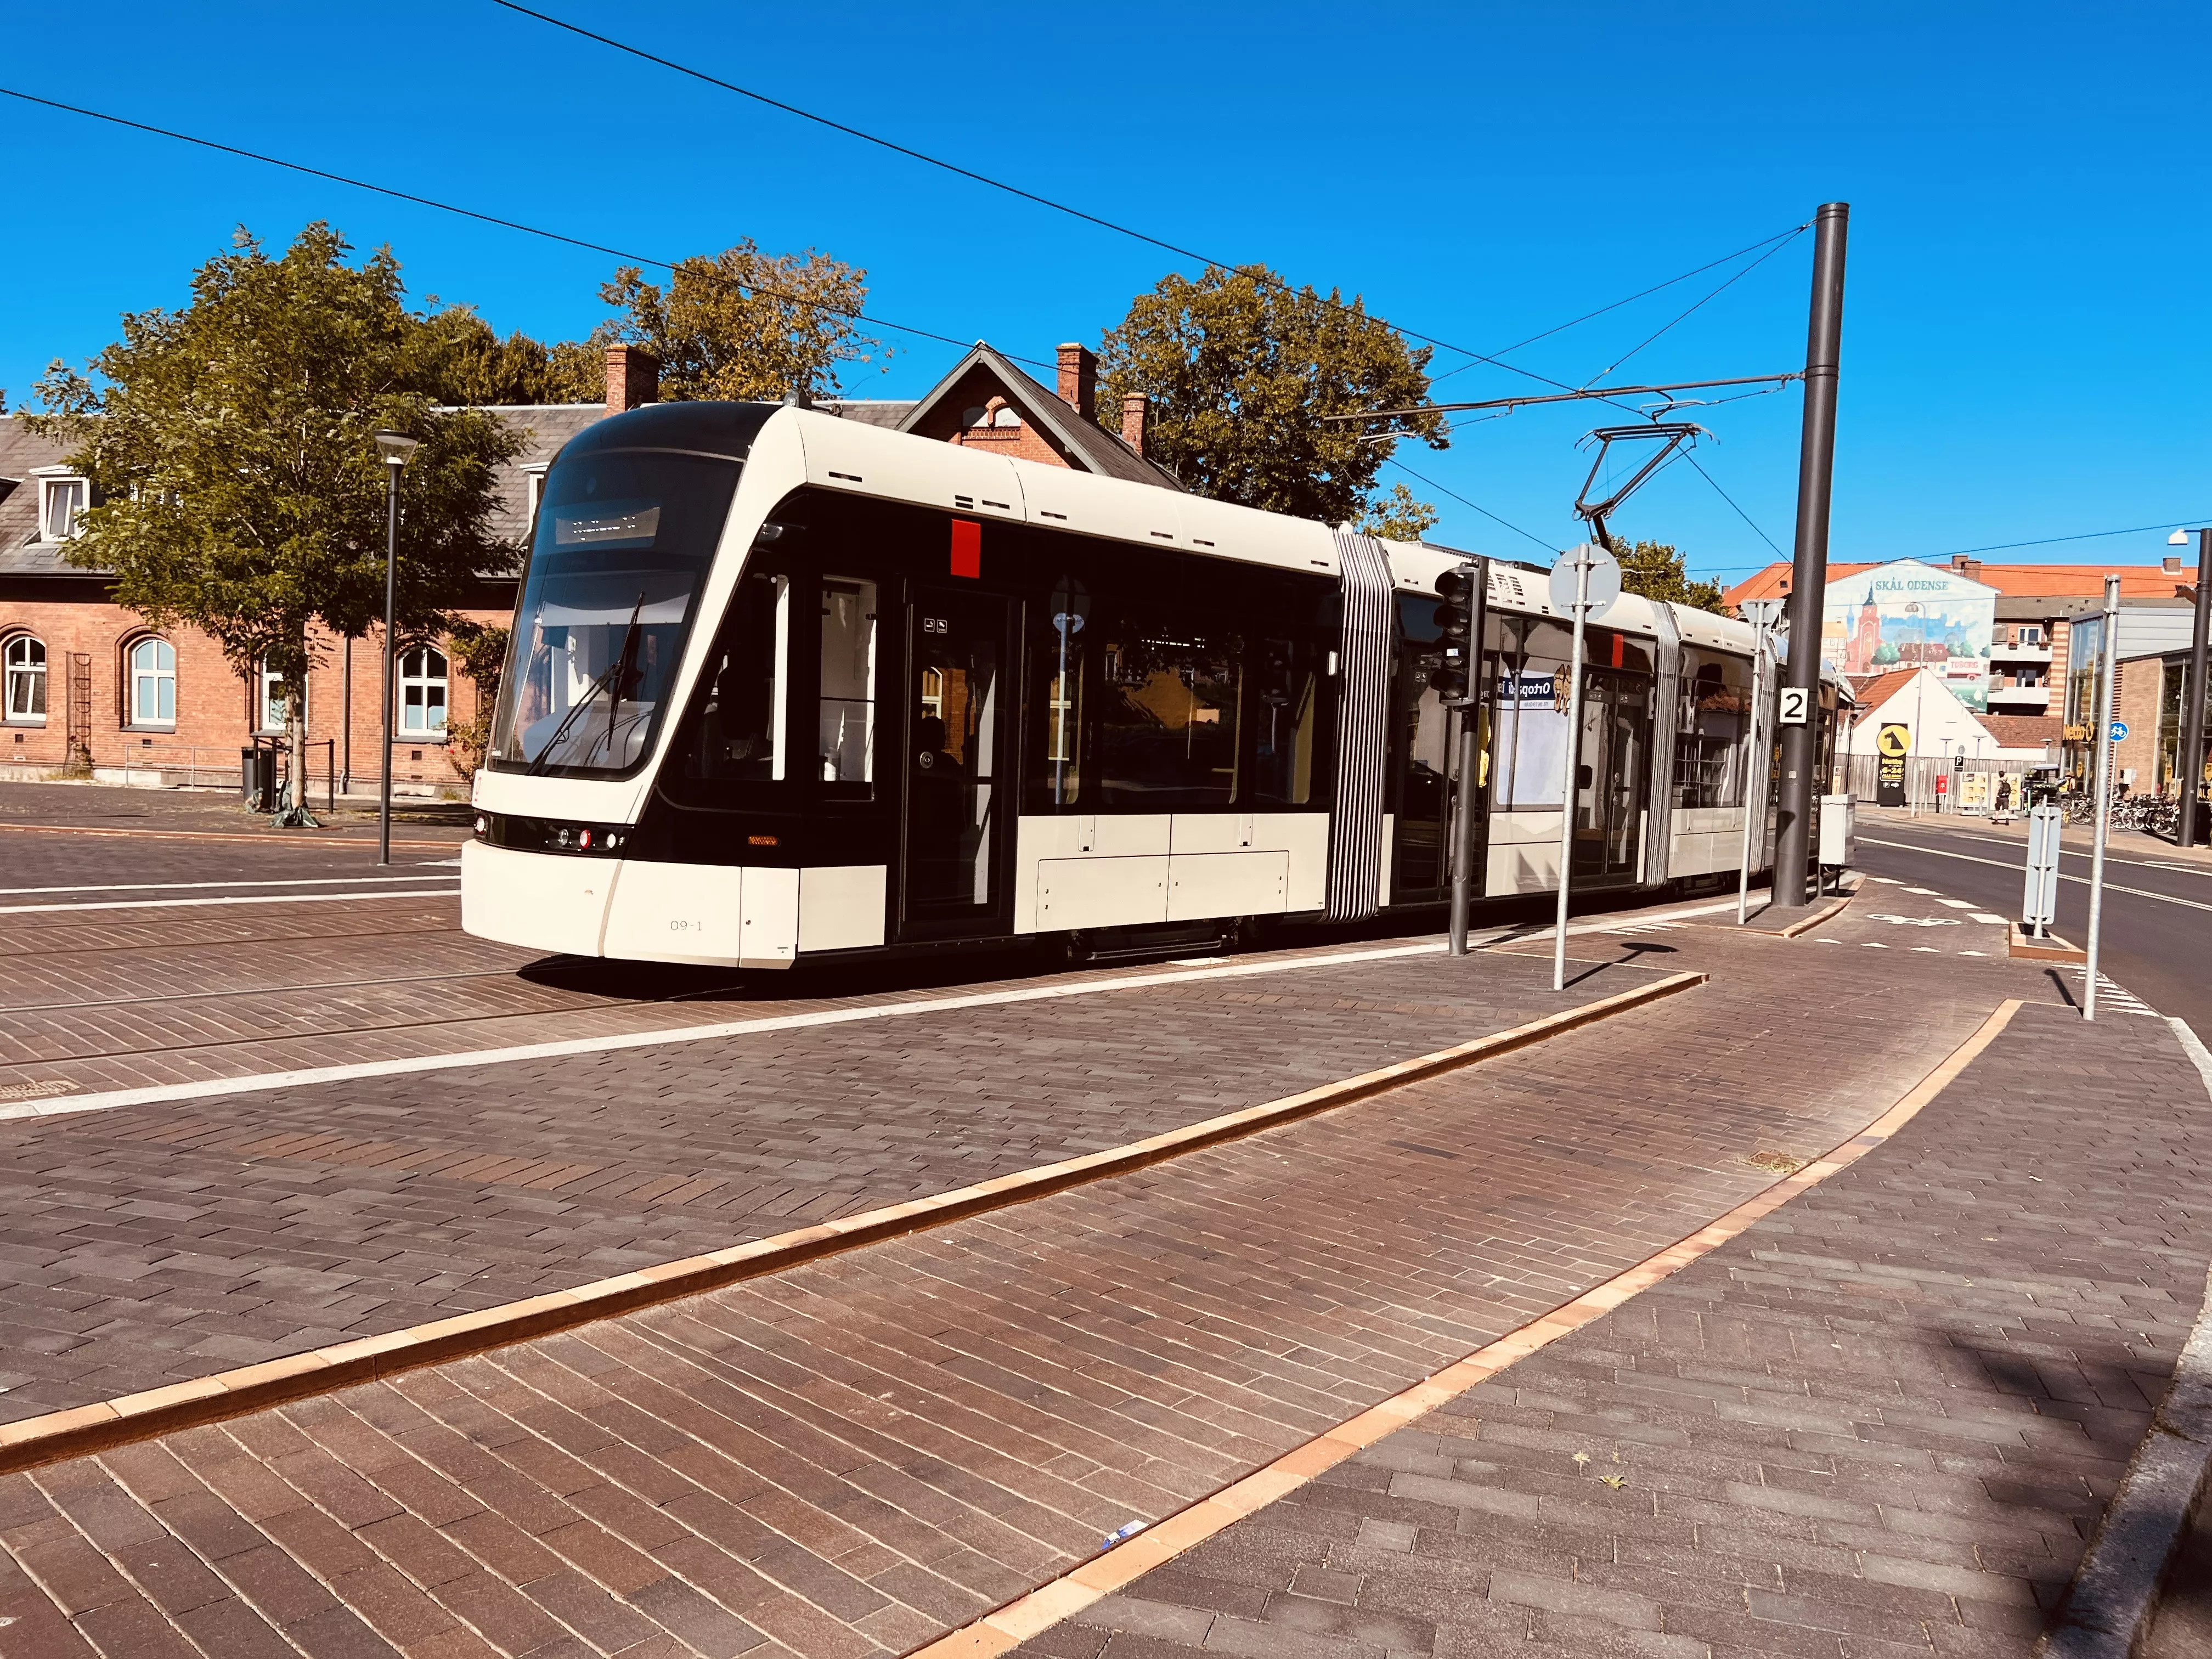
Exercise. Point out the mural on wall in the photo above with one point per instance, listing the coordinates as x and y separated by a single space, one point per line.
1909 614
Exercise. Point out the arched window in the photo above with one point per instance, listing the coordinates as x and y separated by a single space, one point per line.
153 683
24 664
423 692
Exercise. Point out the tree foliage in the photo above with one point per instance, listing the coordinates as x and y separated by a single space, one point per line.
480 651
236 486
1656 571
468 364
747 324
1239 367
1398 517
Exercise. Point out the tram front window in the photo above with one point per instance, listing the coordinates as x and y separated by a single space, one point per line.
624 541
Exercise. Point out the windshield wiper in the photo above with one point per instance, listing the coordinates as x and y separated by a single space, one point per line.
623 660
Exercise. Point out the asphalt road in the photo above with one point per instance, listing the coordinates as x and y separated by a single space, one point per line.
2157 934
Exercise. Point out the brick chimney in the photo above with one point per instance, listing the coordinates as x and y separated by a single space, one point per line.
1133 420
633 378
2173 564
1079 380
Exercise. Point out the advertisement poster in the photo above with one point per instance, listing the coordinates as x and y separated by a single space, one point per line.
1909 615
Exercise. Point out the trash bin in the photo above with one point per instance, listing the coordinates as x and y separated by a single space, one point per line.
258 777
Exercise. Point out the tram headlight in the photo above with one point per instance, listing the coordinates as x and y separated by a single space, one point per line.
524 835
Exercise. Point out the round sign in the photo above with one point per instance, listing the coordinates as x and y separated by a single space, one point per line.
2119 730
1604 580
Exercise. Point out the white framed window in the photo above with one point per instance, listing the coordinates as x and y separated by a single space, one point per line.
423 687
272 709
23 664
533 490
62 498
153 683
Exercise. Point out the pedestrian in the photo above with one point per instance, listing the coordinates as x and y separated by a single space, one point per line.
2005 798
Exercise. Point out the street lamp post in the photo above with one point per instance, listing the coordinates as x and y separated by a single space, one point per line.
395 448
2189 758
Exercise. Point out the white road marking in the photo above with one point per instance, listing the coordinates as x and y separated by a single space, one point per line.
2004 864
196 886
1956 905
2194 1047
1874 945
1924 892
192 904
1974 953
212 1088
2110 991
1983 915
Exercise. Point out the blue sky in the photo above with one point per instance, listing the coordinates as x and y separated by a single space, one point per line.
2024 350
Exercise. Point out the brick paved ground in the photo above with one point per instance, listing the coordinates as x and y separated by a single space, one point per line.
853 1456
1884 1420
215 811
155 1243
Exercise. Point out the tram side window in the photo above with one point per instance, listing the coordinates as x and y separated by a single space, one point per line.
848 682
1712 729
1169 701
738 735
1285 687
1058 647
1530 714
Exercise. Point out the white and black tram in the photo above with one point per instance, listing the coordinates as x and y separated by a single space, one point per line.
785 687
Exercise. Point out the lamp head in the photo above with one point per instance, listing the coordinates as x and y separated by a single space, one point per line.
395 446
2179 538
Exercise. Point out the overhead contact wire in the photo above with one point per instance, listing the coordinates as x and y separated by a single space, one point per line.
486 218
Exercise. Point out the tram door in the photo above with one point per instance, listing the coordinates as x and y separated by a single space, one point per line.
1611 787
959 766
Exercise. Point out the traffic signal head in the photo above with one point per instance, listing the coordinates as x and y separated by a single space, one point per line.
1453 678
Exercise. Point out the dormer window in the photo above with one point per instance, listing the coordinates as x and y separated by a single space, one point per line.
63 497
533 488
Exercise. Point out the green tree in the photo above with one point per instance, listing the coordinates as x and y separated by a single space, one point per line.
1239 369
1656 571
465 363
480 649
1885 654
1398 517
236 486
746 324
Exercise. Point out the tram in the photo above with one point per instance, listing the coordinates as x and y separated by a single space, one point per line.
784 688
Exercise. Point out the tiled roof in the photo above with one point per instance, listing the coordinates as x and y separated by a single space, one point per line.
2024 730
21 450
1873 692
871 411
1096 449
546 427
2014 580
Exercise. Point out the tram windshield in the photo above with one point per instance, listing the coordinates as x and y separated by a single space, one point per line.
624 543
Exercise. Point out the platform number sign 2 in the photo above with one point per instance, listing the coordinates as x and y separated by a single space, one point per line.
1797 706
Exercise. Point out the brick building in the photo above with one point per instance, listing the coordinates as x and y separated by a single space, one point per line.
85 684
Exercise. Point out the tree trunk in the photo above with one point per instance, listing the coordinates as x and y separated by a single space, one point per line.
294 814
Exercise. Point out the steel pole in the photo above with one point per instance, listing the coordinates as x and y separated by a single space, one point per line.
1469 798
2107 665
2189 763
1808 576
1463 886
345 726
391 657
1572 776
1753 749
